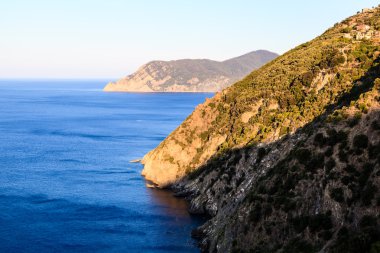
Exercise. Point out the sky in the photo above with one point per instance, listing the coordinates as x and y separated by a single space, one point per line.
109 39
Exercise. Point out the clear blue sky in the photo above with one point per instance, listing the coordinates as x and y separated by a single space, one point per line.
111 38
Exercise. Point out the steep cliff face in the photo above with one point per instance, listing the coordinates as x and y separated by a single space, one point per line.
191 75
275 100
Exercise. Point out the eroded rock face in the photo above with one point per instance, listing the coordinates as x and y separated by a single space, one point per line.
190 75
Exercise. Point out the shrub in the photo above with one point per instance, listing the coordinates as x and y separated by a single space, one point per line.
375 247
360 141
375 125
319 139
346 180
337 194
355 120
346 30
368 193
261 152
366 172
289 205
307 78
353 242
373 151
298 245
342 136
316 162
319 222
300 223
329 152
255 213
351 169
330 164
284 130
343 156
303 155
326 235
332 139
368 221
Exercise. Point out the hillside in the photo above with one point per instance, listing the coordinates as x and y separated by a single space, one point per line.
287 159
314 191
191 75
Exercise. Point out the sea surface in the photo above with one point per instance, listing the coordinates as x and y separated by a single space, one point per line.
66 181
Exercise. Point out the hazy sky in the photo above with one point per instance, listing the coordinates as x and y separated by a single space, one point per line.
111 38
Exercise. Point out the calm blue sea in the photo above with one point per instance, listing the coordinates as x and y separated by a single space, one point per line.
66 183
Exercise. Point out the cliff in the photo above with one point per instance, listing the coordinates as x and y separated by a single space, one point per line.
287 159
191 75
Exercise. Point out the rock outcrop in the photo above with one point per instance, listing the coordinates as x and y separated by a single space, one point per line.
287 159
190 75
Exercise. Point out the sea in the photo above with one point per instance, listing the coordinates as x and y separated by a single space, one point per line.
67 183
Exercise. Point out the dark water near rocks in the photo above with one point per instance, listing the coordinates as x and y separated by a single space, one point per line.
66 184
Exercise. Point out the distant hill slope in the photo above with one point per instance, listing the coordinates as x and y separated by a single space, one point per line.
191 75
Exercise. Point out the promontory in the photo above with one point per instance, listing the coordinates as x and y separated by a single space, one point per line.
190 75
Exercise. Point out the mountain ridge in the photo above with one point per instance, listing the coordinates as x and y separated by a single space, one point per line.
190 75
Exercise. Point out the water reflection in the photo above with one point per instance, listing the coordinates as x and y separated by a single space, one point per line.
170 204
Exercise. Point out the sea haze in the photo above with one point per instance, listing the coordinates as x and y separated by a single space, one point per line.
66 183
